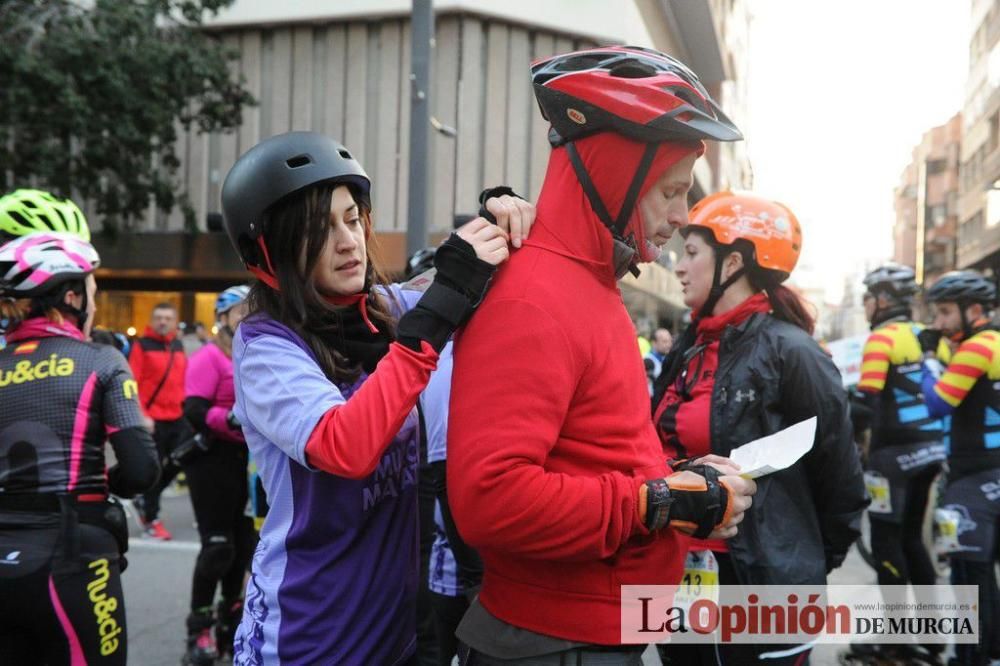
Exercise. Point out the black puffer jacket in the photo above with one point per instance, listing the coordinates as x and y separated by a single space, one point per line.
772 375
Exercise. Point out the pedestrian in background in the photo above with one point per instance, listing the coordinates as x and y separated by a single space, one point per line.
653 361
216 471
158 363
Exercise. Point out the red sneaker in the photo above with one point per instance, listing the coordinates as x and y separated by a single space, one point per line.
156 530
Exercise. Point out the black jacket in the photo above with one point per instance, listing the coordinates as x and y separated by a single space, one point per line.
803 520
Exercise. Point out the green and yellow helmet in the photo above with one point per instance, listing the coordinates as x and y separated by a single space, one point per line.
24 212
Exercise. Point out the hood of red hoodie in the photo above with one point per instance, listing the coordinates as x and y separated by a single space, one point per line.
152 334
567 224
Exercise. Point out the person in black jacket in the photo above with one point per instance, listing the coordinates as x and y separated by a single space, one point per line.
747 368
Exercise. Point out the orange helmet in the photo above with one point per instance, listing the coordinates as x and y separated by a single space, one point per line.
769 226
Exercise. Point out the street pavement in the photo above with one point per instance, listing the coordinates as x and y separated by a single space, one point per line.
157 590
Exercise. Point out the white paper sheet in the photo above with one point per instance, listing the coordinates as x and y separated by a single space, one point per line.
775 452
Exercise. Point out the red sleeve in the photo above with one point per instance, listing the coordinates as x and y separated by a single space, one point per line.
352 436
514 378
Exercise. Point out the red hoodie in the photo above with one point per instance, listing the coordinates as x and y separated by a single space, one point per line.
550 435
150 359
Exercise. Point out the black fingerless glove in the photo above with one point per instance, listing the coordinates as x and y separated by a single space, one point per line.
929 339
458 288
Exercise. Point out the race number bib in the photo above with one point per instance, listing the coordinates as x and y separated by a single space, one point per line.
878 490
701 579
946 530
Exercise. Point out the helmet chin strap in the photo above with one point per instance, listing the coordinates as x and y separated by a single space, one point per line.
625 250
718 286
78 313
884 314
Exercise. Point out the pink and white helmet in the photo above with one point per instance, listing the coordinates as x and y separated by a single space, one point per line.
38 263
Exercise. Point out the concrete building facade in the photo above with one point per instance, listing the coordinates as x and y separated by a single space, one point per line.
926 203
344 69
979 183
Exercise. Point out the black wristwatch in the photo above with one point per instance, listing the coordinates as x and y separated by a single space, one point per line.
658 501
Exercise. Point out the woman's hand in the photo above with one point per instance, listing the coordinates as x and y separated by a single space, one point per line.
514 215
488 240
741 496
724 465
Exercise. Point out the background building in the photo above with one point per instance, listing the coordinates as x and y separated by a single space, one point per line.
926 201
344 69
979 184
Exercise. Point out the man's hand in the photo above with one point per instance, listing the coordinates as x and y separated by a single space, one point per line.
514 215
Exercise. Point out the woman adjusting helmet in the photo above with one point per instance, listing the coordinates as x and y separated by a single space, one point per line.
327 367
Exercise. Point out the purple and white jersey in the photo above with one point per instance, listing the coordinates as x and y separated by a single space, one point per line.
335 572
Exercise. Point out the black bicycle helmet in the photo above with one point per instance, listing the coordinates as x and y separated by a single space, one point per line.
895 280
274 169
963 287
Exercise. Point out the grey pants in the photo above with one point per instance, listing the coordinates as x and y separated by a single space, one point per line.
582 656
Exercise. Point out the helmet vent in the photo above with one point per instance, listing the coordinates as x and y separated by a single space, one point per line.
346 155
632 69
579 63
687 96
298 161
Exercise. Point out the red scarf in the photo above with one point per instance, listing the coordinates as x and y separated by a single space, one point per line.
41 327
711 328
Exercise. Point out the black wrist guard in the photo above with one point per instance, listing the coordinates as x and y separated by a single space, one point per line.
459 268
702 507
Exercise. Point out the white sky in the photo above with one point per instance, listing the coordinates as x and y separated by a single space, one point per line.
839 94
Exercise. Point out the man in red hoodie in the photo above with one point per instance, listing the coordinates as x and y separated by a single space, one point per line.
555 471
158 363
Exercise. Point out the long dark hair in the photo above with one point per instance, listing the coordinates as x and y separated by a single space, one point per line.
297 228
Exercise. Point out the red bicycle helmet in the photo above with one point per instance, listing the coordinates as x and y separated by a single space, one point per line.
638 92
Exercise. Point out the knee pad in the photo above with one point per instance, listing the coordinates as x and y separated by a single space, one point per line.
217 553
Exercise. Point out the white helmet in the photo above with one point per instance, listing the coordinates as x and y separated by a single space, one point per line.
38 263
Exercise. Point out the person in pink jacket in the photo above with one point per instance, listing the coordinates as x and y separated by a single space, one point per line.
216 471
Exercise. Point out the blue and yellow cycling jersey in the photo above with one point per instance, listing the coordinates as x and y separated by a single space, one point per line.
891 369
969 389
